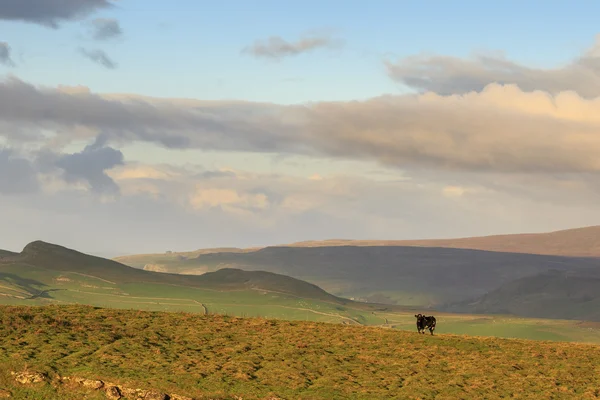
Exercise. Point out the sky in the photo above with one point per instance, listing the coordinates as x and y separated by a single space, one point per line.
129 126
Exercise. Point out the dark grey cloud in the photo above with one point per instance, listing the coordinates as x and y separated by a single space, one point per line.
17 174
99 57
452 75
176 124
90 165
276 47
5 57
106 28
50 13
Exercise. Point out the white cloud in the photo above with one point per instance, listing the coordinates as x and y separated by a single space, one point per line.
449 75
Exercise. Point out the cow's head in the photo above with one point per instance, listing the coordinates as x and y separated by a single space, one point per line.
419 316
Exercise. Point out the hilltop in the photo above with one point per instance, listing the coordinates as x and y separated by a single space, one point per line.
61 259
221 357
577 242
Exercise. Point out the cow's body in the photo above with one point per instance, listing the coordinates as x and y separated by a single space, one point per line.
424 322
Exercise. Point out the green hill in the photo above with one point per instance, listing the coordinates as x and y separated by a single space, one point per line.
219 357
61 259
47 274
412 276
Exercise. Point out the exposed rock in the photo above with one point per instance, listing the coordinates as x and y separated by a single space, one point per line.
129 392
29 377
5 394
92 383
178 397
113 393
152 395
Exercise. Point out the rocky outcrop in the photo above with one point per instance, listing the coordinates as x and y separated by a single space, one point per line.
112 391
25 378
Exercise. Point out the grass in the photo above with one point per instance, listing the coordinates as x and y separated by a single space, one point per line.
215 356
18 284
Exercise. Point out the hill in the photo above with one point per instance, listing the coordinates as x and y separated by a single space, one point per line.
220 357
578 242
61 259
45 273
6 253
555 294
412 276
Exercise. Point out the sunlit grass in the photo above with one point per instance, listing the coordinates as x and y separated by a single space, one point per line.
217 355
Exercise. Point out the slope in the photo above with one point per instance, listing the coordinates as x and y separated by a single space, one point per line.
218 357
58 258
554 294
6 253
45 274
412 276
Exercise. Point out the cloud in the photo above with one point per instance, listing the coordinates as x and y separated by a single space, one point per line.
5 58
276 47
50 13
452 75
99 57
249 208
106 28
17 174
500 129
228 200
90 165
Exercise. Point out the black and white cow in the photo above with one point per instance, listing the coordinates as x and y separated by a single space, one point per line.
424 322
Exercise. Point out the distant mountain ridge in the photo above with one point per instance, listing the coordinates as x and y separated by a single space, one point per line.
577 242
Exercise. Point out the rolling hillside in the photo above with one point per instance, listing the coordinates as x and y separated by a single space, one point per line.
61 259
45 273
554 294
75 351
414 276
426 273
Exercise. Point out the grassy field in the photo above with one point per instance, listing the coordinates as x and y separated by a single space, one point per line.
47 274
211 356
39 286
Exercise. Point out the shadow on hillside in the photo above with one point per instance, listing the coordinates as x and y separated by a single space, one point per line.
30 285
